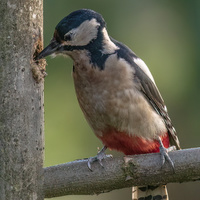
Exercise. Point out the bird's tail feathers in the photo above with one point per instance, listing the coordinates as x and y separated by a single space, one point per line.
150 193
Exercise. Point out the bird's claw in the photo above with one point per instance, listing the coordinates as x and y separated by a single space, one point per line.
164 153
99 157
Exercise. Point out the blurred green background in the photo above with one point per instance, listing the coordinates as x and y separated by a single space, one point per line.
165 34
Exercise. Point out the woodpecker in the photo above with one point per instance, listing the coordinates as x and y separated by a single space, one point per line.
116 92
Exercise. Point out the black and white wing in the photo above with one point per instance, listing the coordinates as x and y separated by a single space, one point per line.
147 86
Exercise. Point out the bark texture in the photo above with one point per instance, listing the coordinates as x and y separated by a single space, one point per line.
75 178
21 100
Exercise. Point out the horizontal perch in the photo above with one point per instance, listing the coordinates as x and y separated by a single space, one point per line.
74 178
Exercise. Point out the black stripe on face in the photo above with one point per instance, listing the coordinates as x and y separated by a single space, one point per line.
95 49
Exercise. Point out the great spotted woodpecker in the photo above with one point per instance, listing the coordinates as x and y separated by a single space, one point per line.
116 92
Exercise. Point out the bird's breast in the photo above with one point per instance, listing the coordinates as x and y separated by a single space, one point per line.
109 98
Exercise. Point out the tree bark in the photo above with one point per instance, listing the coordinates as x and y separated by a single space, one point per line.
75 178
21 100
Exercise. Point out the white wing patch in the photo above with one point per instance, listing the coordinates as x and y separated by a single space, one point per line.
144 67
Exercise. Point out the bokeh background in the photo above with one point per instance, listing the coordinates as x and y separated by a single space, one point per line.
166 35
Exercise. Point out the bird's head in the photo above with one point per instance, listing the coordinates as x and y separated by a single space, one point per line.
77 31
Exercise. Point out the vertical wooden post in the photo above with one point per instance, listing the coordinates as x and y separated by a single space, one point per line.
21 101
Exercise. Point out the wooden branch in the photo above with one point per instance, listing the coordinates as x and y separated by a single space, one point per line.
74 178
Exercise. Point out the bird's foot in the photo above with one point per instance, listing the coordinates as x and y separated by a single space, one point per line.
99 157
164 153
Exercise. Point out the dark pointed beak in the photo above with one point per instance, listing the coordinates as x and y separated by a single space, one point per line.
53 47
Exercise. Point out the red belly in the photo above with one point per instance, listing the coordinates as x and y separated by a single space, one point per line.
131 145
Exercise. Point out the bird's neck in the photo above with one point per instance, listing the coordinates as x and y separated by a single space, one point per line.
108 47
96 52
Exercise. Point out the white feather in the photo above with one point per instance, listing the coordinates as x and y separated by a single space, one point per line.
144 67
108 46
84 33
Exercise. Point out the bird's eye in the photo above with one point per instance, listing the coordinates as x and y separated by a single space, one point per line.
68 37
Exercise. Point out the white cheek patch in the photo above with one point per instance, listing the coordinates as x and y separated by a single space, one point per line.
144 68
83 34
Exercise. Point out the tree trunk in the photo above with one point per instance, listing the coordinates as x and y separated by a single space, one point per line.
21 100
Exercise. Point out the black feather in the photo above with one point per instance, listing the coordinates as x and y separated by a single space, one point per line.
149 90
